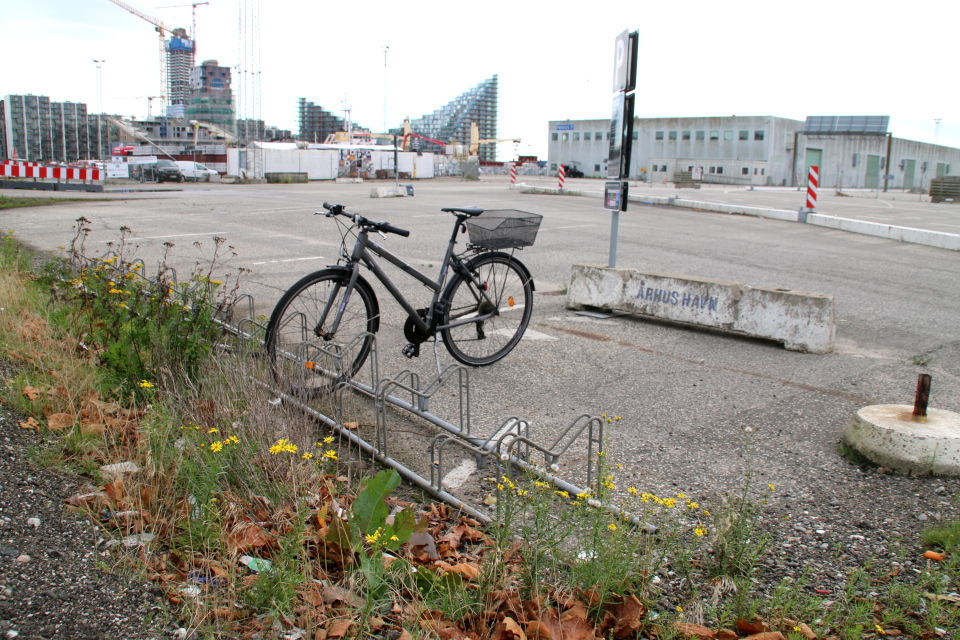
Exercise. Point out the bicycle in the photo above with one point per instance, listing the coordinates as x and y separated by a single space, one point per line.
480 314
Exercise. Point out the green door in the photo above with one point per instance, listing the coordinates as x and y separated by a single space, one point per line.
814 157
941 169
909 168
873 173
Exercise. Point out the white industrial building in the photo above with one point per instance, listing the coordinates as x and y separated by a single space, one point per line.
851 151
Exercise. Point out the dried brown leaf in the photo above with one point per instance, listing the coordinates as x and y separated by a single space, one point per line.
60 421
696 631
245 536
573 628
727 634
31 393
332 594
766 635
757 626
340 628
30 423
627 617
421 542
513 629
469 570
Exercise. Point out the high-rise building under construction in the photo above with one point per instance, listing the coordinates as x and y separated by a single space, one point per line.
211 98
180 58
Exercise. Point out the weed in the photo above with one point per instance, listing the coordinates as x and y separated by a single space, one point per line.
854 456
945 536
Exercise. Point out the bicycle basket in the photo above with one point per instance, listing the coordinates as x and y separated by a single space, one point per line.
503 229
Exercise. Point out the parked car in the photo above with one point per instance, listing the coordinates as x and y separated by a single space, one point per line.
571 171
196 171
167 170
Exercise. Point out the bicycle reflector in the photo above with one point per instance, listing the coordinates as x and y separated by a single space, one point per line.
510 301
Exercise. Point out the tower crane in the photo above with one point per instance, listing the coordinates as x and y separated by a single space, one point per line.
160 29
193 30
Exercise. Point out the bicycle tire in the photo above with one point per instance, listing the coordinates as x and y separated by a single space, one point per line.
290 332
509 287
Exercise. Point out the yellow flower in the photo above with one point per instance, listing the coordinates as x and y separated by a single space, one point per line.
700 531
681 495
499 487
679 609
692 505
562 494
669 503
705 512
308 456
146 384
115 291
330 455
213 431
216 446
328 439
521 492
373 537
218 282
234 439
283 445
540 485
395 538
772 488
612 527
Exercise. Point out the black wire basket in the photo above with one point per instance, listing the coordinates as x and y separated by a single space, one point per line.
503 229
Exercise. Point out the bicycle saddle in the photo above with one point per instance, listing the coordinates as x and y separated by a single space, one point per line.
470 211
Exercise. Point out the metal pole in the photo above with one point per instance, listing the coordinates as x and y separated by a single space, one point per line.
386 49
614 230
922 398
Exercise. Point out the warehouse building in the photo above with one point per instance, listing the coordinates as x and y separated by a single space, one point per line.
851 151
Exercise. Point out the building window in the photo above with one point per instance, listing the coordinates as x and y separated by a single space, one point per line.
700 135
553 166
763 172
556 136
576 136
636 134
673 135
586 135
714 135
758 135
744 135
598 136
728 134
565 137
719 170
685 135
659 135
596 167
745 171
754 171
690 168
713 169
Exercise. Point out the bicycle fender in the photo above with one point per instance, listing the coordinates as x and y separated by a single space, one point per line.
362 283
522 266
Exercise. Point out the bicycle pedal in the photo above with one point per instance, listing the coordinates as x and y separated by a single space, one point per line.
412 350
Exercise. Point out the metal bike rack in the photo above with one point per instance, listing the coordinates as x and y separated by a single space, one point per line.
510 443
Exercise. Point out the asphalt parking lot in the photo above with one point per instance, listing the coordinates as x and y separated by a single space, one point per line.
682 394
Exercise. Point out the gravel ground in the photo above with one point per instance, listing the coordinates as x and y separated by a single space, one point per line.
54 576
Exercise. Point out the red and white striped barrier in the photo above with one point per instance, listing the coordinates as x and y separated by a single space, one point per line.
57 173
562 176
813 181
21 163
513 174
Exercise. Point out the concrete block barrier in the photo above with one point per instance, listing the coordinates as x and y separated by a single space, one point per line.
388 192
801 320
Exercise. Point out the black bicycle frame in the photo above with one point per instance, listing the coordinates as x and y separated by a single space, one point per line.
363 252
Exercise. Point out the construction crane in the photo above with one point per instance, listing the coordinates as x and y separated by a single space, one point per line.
475 140
160 29
193 30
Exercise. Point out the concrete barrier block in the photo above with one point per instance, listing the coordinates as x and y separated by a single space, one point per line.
388 192
802 321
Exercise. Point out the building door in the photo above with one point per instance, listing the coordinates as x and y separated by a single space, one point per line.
941 169
872 180
814 158
909 169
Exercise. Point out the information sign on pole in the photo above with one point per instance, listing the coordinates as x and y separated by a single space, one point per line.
621 131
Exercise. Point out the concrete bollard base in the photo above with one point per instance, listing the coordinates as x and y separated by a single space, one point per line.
890 436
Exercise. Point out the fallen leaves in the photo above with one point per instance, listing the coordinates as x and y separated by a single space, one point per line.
30 423
60 421
31 393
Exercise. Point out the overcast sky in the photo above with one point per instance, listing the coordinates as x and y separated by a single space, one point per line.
554 61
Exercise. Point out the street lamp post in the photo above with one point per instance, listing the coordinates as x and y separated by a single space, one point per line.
99 108
386 50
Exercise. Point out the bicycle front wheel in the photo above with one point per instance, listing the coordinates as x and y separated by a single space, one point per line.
295 338
501 285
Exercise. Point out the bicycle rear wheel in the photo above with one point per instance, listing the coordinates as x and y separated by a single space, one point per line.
294 339
501 284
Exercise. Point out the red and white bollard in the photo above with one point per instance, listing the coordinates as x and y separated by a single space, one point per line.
813 181
562 176
513 174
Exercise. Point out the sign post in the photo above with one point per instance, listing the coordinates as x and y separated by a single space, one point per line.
621 132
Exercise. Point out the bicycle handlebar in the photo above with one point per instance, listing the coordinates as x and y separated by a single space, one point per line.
386 227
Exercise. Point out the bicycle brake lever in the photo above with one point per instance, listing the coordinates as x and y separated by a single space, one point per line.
382 234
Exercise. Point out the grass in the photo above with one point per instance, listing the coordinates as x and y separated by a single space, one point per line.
260 530
13 202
